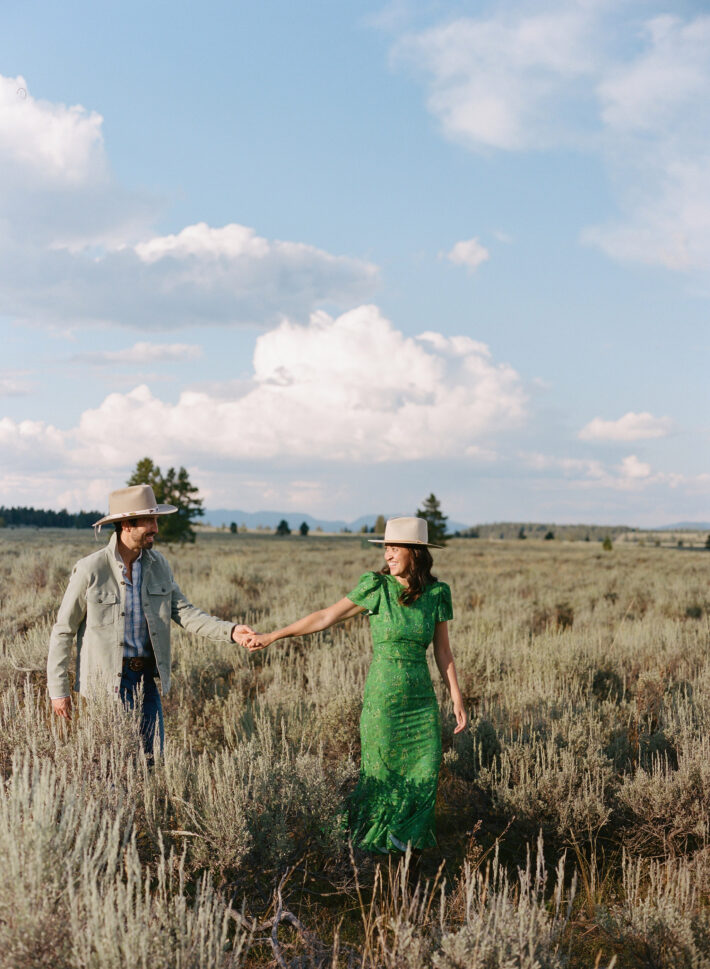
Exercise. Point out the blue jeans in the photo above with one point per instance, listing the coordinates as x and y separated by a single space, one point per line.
152 713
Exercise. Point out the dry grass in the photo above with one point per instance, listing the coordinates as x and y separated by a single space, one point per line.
587 677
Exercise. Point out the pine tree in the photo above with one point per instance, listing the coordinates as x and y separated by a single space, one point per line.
283 528
380 523
173 488
436 521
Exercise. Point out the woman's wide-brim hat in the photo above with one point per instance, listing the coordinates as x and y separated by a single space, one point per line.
138 501
406 531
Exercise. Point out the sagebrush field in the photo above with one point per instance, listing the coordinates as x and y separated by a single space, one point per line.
573 816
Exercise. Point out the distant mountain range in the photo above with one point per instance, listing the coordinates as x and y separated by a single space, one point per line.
685 527
270 519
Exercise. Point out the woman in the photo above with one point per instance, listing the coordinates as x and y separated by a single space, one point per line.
400 726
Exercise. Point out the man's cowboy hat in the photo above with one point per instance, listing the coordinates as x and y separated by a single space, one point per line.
405 531
137 501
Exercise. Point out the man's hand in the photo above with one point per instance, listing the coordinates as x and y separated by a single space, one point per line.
241 633
62 707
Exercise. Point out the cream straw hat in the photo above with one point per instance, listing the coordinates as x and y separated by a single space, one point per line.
137 501
405 531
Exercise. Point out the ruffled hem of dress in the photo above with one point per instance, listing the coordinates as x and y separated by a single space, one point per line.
385 830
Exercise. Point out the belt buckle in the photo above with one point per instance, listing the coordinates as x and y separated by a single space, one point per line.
136 664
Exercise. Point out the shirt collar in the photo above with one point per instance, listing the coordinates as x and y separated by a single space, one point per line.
120 560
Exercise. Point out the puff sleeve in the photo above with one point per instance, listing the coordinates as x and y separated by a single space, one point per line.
444 606
367 592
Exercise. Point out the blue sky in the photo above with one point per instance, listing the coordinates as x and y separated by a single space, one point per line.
331 258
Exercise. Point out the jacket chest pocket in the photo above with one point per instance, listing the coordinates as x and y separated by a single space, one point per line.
158 599
101 607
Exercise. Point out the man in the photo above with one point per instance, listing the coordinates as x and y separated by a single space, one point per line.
118 606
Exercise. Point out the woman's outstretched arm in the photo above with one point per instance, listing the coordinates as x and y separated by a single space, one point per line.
445 661
313 623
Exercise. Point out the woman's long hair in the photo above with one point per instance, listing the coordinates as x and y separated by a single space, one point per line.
418 575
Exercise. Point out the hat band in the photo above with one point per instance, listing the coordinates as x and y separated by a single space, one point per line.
135 514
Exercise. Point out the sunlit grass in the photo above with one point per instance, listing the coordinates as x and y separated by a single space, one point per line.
586 674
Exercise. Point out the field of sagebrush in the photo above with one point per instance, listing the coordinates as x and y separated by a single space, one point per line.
573 816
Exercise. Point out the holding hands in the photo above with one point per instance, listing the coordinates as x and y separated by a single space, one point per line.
248 638
258 641
240 634
313 623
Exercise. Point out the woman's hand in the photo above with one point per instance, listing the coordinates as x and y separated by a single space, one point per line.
461 717
445 662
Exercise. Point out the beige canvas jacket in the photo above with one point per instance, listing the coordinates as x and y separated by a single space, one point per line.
93 613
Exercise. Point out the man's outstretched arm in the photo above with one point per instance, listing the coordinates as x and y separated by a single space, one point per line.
201 623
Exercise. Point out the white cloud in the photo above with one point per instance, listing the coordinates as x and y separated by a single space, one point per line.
231 241
630 427
142 354
77 248
350 389
62 144
65 488
658 147
667 221
57 189
633 469
591 76
29 445
468 252
654 90
569 467
14 383
502 82
345 389
631 474
29 434
158 289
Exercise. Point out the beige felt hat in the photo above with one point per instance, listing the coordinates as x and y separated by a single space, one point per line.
134 502
405 531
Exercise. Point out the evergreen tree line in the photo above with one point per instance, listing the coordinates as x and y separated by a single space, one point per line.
541 530
43 518
172 488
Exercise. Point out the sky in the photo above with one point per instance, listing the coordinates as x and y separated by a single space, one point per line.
333 257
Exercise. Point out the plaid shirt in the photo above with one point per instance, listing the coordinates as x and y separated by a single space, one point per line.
136 639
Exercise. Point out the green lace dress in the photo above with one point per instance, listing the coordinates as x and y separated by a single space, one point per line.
400 726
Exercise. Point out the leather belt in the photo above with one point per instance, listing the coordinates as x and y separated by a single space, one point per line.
139 664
